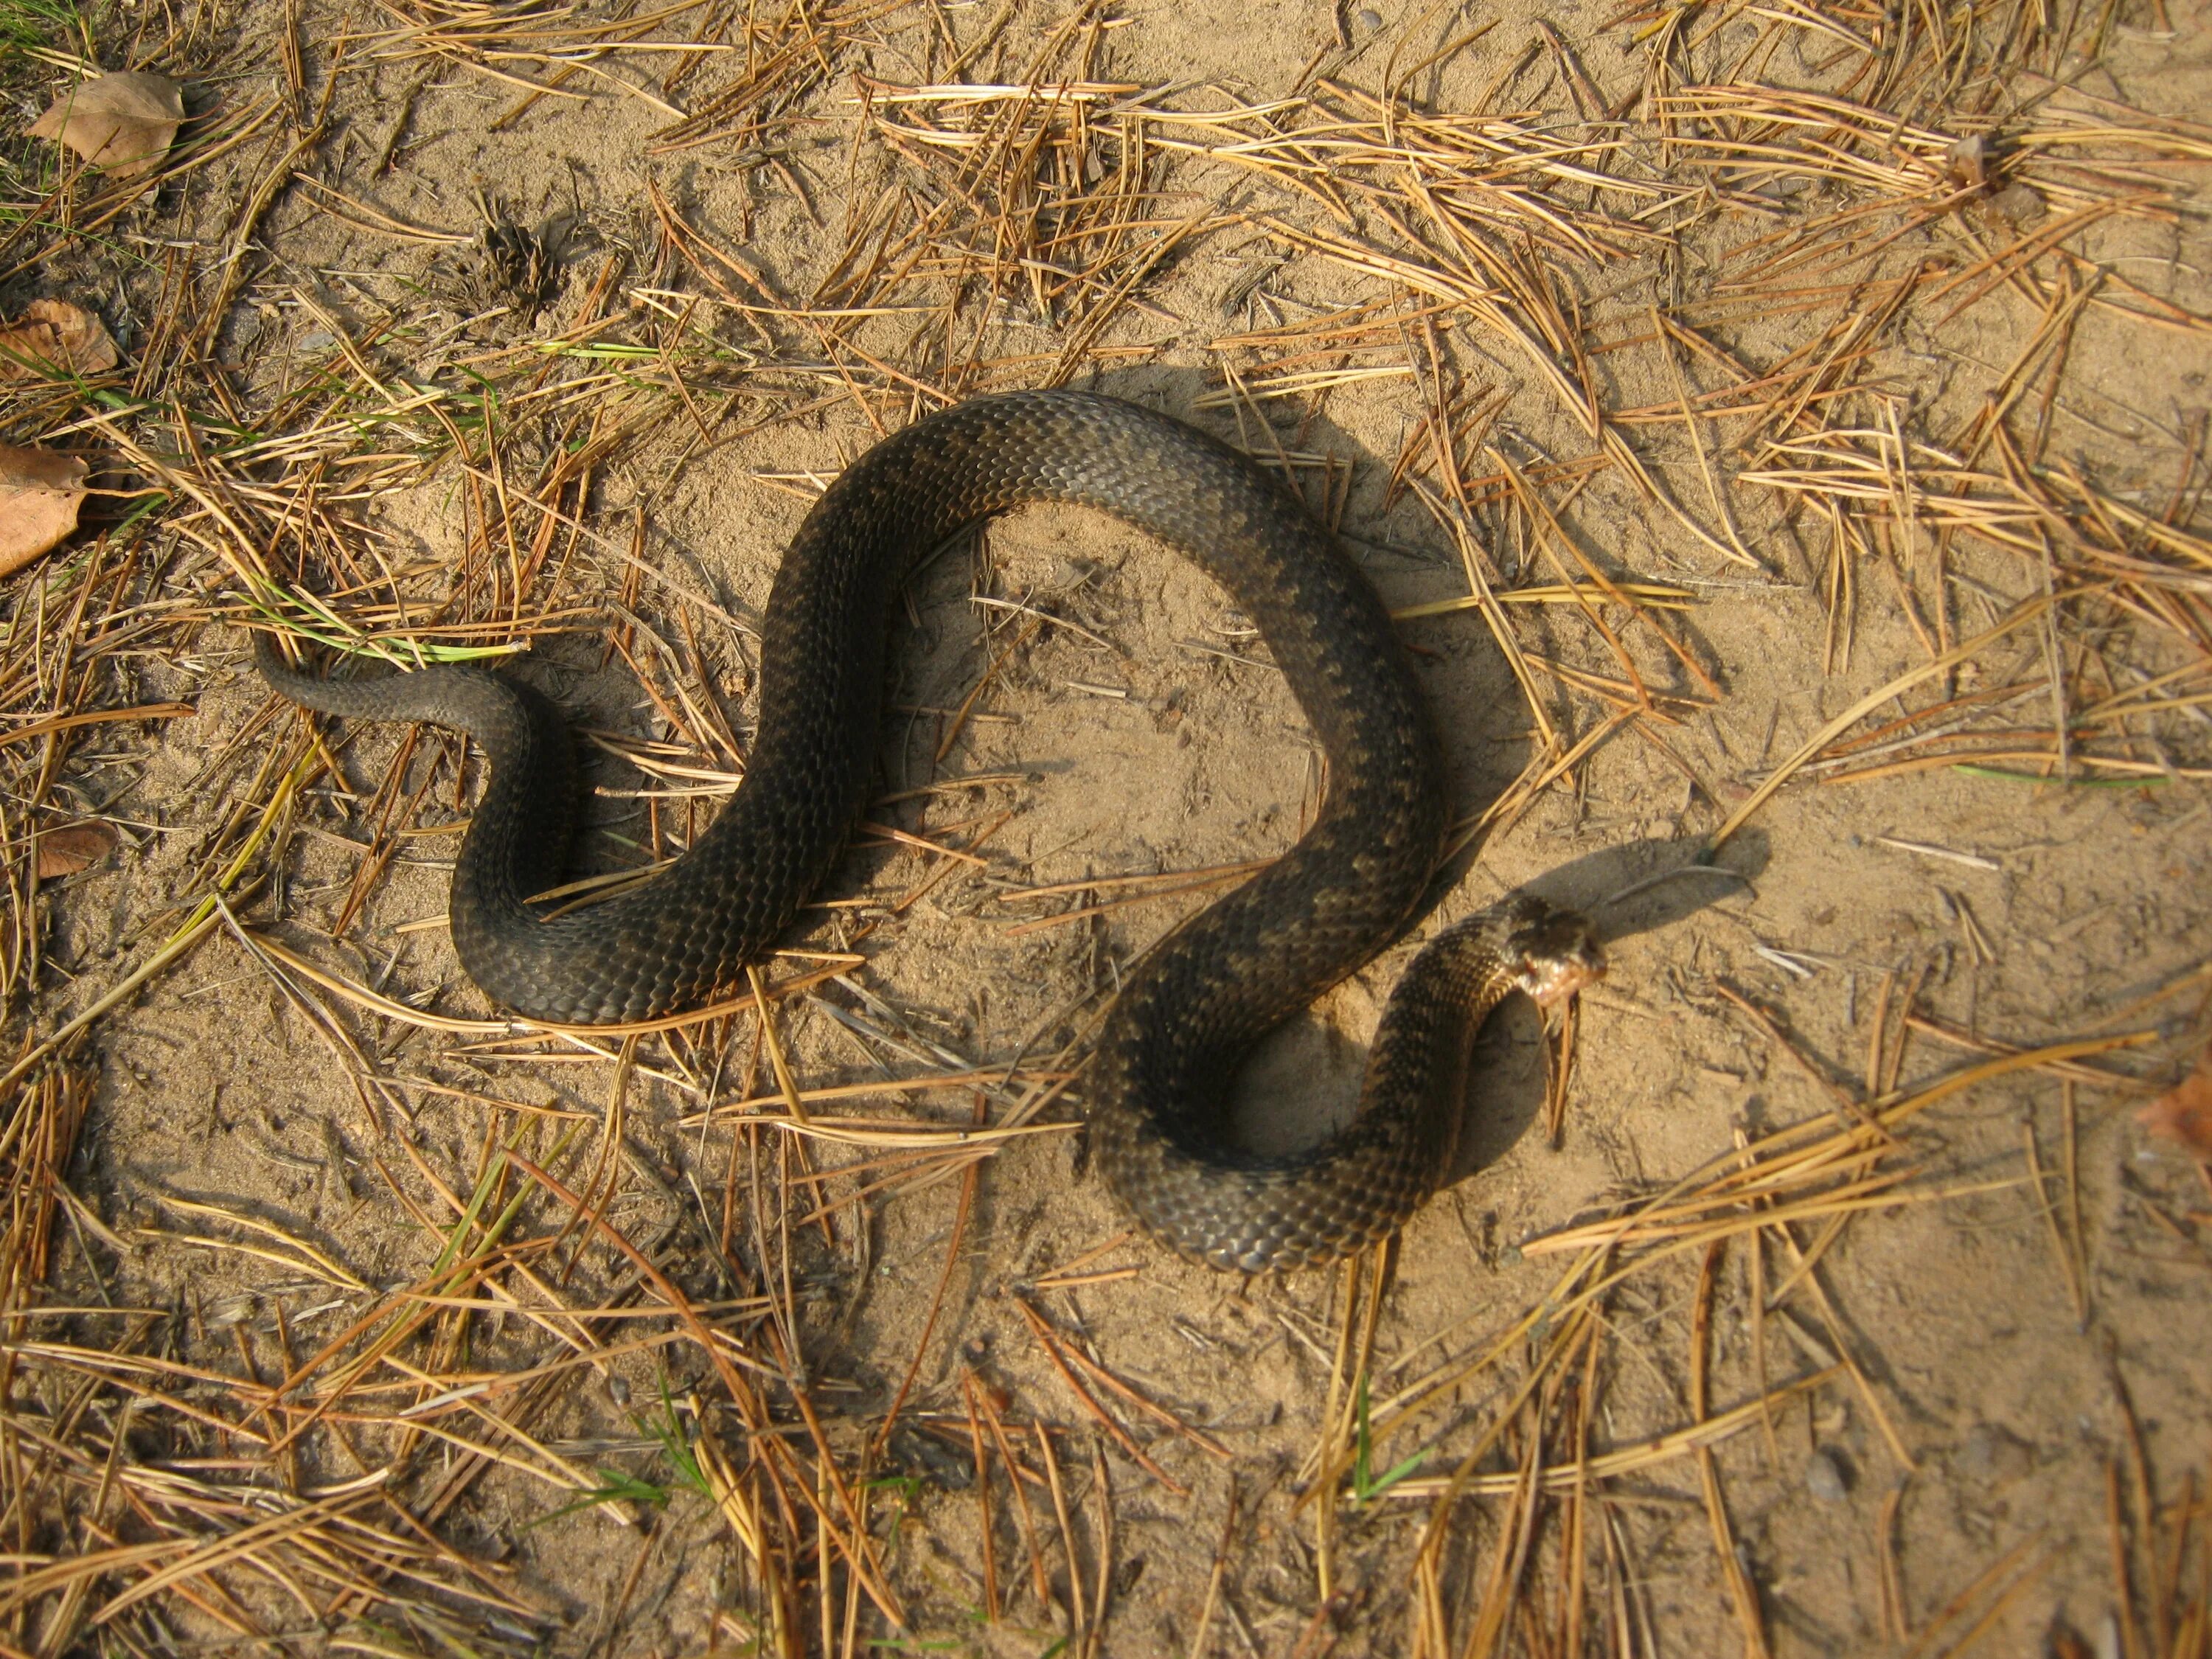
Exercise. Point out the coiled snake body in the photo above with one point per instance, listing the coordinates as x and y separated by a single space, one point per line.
1189 1011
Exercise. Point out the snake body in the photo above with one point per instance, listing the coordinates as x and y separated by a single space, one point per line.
1196 1003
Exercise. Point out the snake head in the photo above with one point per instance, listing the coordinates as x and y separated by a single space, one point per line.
1554 953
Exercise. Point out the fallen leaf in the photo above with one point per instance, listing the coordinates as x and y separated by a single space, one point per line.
2182 1114
1968 162
40 490
72 846
53 334
124 123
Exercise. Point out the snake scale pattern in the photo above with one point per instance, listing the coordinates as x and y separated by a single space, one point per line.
1192 1006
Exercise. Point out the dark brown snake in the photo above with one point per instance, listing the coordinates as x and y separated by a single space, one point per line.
1199 1000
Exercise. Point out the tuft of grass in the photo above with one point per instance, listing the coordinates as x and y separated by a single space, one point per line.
28 27
1366 1486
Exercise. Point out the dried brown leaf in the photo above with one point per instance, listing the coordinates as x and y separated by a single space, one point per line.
40 490
72 846
53 334
2182 1114
124 123
1968 162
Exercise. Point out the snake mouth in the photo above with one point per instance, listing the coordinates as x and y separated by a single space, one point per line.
1558 955
1554 979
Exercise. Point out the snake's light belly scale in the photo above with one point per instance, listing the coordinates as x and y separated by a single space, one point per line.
1194 1004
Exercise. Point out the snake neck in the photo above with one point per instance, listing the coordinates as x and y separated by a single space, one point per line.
1233 1208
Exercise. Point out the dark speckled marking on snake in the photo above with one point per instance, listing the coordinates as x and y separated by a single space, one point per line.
1199 1000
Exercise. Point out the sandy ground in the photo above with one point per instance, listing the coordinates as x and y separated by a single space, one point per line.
1983 1409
